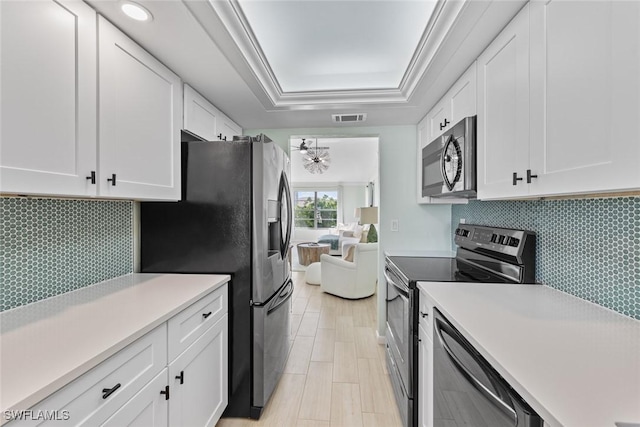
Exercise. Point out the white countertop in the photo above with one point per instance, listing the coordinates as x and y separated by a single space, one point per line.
574 362
47 344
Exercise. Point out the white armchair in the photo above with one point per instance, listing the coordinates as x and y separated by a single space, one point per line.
351 280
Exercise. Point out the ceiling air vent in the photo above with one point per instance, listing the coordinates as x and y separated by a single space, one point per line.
348 118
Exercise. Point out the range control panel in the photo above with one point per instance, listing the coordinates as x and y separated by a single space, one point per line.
505 241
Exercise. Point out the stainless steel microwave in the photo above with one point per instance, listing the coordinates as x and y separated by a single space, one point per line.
449 162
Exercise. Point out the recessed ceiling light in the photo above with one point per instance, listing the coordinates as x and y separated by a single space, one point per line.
135 11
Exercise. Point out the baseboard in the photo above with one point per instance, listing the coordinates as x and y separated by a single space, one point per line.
382 340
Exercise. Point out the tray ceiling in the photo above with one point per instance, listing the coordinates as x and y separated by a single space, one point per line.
331 58
336 45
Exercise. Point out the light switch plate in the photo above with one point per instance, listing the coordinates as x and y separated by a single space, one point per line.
394 225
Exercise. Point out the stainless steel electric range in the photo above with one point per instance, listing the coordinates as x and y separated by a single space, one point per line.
484 255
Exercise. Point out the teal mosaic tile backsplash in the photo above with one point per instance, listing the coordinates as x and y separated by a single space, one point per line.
52 246
588 248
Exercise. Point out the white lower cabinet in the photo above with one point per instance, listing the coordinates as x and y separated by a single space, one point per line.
148 408
141 385
198 380
425 378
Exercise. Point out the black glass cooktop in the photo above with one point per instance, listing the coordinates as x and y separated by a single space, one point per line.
429 269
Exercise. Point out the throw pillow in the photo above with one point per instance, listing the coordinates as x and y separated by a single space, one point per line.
350 252
365 233
372 237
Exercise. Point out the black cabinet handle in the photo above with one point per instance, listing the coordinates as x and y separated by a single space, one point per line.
444 125
529 176
515 178
106 392
92 177
424 315
165 392
224 139
112 180
220 136
180 377
205 315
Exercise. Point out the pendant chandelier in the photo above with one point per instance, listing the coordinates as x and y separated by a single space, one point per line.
316 160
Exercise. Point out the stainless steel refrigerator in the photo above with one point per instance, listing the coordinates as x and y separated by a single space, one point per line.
235 218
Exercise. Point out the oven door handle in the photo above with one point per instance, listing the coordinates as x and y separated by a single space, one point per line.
401 289
476 383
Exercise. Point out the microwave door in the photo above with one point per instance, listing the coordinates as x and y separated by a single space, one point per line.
432 179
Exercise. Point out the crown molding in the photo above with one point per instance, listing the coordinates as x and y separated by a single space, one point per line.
273 98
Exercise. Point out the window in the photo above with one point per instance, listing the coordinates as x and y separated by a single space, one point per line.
316 209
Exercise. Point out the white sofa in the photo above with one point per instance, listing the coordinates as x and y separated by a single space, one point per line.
351 280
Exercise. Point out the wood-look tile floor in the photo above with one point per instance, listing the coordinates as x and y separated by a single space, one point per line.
336 373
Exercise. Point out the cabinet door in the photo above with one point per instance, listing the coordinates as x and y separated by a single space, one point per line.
436 118
198 379
228 129
585 96
200 117
425 379
462 96
503 111
423 139
48 102
148 408
140 106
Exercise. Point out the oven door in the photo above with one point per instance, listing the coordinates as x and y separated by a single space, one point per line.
432 179
399 318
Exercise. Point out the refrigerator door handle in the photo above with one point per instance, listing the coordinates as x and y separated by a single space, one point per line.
284 295
285 199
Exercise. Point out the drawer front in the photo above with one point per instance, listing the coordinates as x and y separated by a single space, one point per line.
425 314
87 402
188 325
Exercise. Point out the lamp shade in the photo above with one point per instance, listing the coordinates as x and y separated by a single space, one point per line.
368 215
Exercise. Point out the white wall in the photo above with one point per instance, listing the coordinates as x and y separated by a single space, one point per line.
422 227
353 196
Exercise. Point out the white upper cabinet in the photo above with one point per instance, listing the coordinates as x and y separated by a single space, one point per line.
503 111
48 98
202 119
459 102
228 129
462 97
140 117
436 120
559 101
585 96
